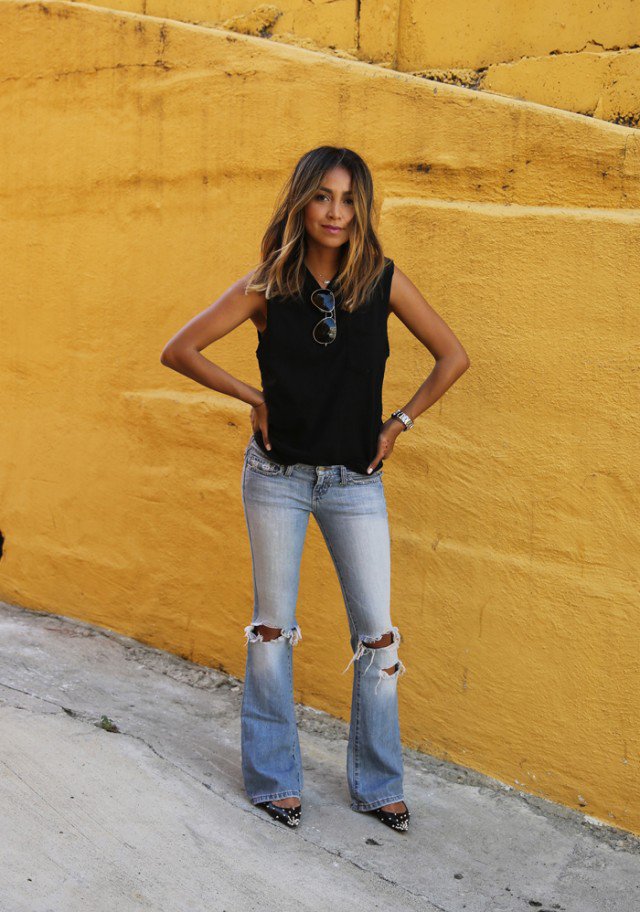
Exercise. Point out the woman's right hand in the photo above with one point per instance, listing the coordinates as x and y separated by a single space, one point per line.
260 421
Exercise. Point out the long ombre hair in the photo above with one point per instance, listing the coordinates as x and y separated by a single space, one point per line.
282 270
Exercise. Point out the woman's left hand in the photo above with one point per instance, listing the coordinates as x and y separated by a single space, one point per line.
386 439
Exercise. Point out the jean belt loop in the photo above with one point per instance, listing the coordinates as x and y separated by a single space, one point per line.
288 470
343 475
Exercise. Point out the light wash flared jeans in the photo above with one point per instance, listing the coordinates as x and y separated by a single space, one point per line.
351 511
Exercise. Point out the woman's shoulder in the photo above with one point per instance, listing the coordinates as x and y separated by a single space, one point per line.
387 275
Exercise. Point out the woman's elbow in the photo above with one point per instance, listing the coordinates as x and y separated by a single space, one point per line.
168 357
463 360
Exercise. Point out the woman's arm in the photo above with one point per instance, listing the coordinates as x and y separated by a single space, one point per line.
406 302
182 353
428 327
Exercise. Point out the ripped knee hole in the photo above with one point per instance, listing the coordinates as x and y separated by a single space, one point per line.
385 640
263 633
268 633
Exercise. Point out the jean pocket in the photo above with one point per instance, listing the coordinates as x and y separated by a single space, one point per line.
260 464
363 478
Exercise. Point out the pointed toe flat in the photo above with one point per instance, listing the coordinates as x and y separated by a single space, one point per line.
399 821
288 816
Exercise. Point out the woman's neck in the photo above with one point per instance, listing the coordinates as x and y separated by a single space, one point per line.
323 266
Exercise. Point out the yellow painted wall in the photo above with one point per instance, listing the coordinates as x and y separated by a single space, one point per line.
605 85
468 33
325 24
144 160
537 50
413 34
576 57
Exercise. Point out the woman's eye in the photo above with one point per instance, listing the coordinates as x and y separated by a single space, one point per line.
324 196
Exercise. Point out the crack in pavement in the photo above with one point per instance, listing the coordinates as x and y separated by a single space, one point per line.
184 671
257 815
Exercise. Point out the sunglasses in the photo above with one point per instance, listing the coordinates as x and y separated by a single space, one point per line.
325 331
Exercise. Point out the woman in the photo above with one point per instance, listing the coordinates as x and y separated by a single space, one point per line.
320 299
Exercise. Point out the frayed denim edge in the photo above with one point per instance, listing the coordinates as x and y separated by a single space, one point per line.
290 633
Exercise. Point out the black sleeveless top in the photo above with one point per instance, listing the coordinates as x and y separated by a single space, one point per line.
324 402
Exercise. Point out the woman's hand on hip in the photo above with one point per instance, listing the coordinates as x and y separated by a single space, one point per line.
386 439
260 421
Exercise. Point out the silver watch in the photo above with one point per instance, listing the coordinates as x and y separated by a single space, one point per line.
403 417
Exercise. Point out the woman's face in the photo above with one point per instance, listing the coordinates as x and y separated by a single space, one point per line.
331 208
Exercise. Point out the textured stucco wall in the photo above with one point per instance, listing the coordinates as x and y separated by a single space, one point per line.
143 162
322 23
576 57
465 33
412 34
541 51
605 85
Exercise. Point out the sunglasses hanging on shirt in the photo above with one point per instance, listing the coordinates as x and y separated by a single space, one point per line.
326 330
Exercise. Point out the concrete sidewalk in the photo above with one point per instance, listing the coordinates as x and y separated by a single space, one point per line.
153 816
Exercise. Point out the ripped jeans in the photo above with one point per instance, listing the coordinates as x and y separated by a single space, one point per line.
350 509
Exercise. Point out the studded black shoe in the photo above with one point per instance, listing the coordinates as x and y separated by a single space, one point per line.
289 816
399 821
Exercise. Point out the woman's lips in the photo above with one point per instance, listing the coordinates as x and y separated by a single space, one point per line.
331 229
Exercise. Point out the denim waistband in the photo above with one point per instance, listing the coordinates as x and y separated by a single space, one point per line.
327 471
